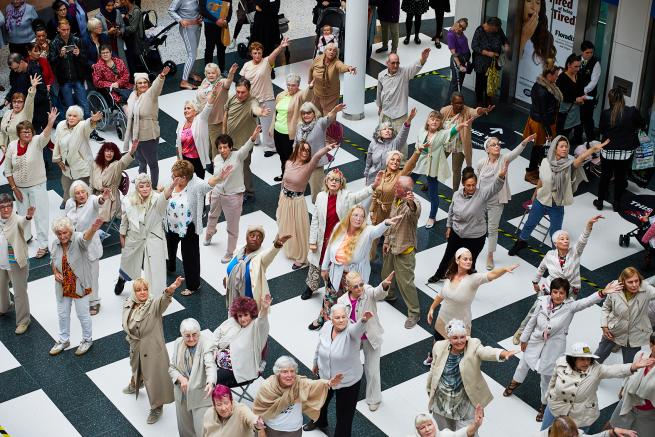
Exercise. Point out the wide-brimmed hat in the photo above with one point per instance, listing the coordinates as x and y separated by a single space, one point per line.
581 350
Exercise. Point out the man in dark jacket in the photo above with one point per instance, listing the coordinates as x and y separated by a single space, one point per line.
67 61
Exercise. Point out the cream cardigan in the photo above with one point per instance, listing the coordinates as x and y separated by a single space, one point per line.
76 152
10 120
246 345
28 170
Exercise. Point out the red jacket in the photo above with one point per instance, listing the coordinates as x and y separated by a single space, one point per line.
48 76
103 76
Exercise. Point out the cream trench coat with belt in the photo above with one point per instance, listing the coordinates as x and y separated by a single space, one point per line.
572 393
148 355
145 244
345 201
476 388
148 113
541 354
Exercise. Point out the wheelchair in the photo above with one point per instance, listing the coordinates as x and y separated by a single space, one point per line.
100 100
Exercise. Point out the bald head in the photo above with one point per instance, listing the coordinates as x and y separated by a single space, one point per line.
404 184
393 63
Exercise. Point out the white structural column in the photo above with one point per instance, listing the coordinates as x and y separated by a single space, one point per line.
355 55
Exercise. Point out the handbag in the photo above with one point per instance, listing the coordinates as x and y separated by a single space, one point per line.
225 37
644 155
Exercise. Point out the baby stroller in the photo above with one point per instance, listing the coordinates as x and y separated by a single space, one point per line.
150 58
283 24
336 18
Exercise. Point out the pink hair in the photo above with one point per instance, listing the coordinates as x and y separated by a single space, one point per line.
221 391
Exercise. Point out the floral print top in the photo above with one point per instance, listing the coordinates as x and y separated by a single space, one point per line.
178 214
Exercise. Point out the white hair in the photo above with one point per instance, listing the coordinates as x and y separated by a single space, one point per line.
78 183
456 327
421 418
92 24
193 104
558 234
189 325
338 307
391 154
212 66
284 362
310 107
293 78
75 109
62 223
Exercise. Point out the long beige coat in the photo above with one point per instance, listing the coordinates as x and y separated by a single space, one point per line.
109 177
148 355
203 371
148 113
75 153
145 245
476 387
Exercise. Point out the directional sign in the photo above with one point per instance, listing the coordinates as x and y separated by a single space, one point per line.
483 129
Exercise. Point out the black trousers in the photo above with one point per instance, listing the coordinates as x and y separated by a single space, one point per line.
618 168
345 406
198 169
574 134
587 119
226 377
439 12
213 42
417 27
190 255
481 89
283 147
456 242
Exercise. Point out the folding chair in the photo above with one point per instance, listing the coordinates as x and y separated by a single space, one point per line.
542 229
240 391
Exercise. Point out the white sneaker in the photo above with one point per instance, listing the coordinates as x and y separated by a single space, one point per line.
84 347
59 347
233 44
428 360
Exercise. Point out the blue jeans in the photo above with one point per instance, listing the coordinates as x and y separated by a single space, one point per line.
549 419
538 211
433 193
74 93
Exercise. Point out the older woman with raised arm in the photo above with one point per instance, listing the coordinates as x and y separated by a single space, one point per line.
284 397
142 322
337 352
324 72
106 173
240 340
624 317
544 337
455 383
143 121
25 172
466 225
559 177
291 211
228 418
193 372
286 116
212 80
332 204
361 298
426 426
385 139
22 109
72 270
228 197
142 235
246 272
635 409
183 221
573 389
82 208
487 169
312 129
72 152
14 269
347 251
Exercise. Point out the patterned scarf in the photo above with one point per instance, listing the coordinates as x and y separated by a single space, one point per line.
560 169
236 282
15 17
306 129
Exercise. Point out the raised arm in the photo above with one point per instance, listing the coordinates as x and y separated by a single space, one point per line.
274 54
332 115
500 271
513 154
587 153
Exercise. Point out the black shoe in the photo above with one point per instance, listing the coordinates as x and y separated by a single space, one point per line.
314 327
120 285
406 40
248 196
391 298
311 426
269 153
434 278
277 178
615 207
306 294
380 50
94 136
598 204
417 40
272 74
520 244
437 44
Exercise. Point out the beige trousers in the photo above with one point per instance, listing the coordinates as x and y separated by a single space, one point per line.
18 278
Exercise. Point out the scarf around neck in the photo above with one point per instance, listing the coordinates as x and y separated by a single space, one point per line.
306 129
15 17
110 16
561 169
236 281
551 88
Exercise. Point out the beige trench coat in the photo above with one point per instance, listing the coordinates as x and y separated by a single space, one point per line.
148 355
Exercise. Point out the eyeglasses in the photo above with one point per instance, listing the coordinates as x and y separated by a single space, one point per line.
334 179
187 336
6 206
360 285
18 101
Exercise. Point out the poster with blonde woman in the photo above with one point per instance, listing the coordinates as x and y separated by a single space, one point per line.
536 45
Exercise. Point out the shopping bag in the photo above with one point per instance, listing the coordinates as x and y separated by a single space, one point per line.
644 156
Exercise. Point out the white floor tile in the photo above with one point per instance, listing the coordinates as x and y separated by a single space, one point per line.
409 54
211 269
107 322
18 416
302 69
173 104
7 360
602 248
165 178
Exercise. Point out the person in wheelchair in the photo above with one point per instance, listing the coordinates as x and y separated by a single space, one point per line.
110 73
240 340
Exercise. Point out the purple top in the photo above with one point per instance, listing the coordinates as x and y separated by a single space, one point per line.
456 42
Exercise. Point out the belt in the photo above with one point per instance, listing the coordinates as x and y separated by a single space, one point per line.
292 194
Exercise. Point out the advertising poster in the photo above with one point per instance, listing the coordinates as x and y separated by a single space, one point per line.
547 31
